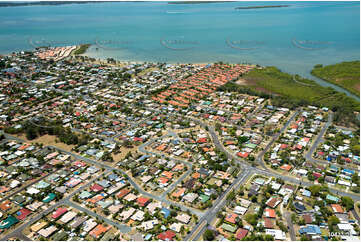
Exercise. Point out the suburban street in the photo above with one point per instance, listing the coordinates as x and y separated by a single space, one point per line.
274 138
290 226
206 217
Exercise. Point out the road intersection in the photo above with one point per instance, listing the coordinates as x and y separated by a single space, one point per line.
205 217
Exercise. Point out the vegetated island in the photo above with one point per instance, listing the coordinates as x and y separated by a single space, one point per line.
265 6
281 87
344 74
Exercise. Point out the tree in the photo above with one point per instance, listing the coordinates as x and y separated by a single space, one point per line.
31 133
347 202
208 235
315 190
333 220
251 219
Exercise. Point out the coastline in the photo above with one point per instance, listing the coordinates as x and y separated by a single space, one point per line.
102 60
319 81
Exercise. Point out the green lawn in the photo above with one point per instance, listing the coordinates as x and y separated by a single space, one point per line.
344 74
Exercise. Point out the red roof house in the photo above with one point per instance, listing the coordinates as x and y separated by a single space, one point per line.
167 235
22 213
59 212
96 188
241 233
143 201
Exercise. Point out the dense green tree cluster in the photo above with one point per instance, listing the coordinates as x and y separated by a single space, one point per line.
344 74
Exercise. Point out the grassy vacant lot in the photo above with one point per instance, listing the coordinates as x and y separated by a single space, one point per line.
287 91
344 74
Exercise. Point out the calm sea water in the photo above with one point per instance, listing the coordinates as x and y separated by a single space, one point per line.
294 38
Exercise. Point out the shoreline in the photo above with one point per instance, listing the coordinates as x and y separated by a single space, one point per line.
171 63
103 61
313 78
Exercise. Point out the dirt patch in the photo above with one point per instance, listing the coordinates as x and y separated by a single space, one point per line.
123 152
48 140
243 82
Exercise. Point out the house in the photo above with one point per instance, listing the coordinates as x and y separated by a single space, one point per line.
59 212
99 230
310 229
125 214
231 218
122 193
347 228
306 193
204 198
96 188
253 190
245 203
114 208
148 224
178 193
276 233
167 235
77 222
165 212
267 223
153 206
307 218
22 213
259 181
270 213
337 208
229 228
184 218
343 217
286 167
272 202
48 231
8 222
299 206
330 179
143 201
241 233
68 216
240 210
332 198
176 227
89 225
138 216
130 197
85 194
6 205
49 198
39 225
190 197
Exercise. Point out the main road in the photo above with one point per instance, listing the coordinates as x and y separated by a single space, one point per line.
205 217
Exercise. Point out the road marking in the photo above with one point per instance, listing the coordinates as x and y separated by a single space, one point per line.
198 229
